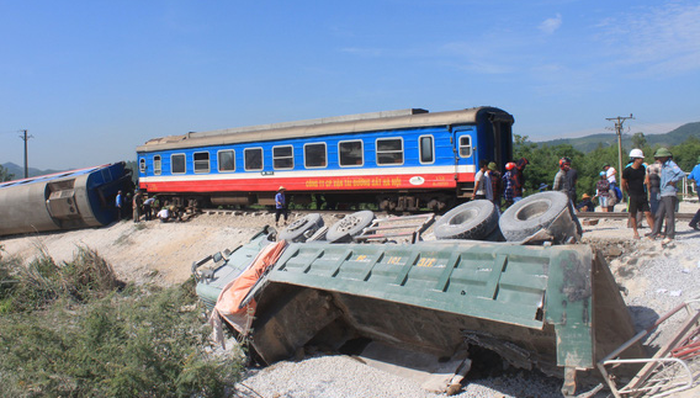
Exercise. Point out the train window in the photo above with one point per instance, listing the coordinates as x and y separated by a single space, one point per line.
253 158
177 163
201 162
283 157
157 165
227 160
389 151
315 155
465 146
142 165
427 149
350 153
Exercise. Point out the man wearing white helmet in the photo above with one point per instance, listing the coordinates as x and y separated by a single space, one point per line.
633 179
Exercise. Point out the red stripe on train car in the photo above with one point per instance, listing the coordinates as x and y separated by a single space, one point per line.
345 183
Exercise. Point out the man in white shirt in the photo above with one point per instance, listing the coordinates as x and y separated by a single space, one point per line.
610 173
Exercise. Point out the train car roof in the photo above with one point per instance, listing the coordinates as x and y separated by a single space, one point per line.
386 120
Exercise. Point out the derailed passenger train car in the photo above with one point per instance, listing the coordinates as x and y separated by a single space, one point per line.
69 200
400 160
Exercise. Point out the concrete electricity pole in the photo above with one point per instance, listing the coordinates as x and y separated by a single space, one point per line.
26 138
618 130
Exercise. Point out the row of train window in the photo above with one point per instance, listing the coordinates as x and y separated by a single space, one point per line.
389 152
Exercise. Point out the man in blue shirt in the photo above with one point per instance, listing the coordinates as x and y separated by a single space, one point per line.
280 206
695 176
670 175
119 203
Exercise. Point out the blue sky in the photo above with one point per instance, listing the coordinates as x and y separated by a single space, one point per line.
91 80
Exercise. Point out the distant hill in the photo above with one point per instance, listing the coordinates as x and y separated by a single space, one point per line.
18 171
590 142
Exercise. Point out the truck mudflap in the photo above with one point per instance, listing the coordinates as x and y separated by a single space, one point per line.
555 308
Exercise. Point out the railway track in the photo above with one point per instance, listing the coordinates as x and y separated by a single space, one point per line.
342 213
596 214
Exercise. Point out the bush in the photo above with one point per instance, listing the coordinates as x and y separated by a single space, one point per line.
72 333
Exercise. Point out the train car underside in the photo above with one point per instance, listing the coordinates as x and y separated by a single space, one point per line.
389 201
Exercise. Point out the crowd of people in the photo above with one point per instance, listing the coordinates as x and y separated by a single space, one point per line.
141 206
489 184
651 189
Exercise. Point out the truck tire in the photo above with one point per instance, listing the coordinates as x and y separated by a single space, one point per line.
532 214
351 225
473 220
299 230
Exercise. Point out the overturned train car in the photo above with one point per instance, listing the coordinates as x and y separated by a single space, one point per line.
70 200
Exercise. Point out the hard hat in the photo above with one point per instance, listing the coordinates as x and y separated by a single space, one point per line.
636 153
510 166
662 153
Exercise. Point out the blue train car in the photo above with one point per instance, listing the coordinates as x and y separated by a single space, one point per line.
400 160
69 200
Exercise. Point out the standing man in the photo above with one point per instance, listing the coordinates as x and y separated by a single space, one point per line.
509 184
138 202
670 175
571 180
519 187
561 183
610 174
495 177
654 185
602 189
280 206
119 203
633 178
695 175
482 183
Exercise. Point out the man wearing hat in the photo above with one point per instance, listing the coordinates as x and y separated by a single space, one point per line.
633 178
670 175
280 206
695 176
585 204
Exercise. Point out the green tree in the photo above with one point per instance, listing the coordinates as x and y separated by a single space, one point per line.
639 140
5 175
686 154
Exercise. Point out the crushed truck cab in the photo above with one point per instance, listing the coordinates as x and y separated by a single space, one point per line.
554 308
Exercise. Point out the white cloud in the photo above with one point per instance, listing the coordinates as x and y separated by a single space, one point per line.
659 40
550 25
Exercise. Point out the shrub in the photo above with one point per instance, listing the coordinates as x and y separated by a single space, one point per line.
72 333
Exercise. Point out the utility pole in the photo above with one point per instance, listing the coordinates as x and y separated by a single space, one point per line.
618 130
26 138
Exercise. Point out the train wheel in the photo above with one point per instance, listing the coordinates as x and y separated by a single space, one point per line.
472 220
351 225
302 229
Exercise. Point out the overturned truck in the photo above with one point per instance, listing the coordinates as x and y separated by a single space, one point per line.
554 308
